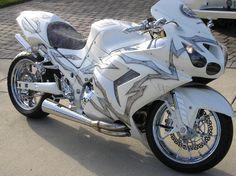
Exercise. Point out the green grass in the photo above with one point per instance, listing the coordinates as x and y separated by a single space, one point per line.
9 2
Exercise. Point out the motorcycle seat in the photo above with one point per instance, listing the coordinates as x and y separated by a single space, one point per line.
63 35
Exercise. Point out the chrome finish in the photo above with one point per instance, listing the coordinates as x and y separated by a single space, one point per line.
23 42
115 133
45 87
40 68
160 22
25 71
52 67
210 23
193 147
67 89
113 129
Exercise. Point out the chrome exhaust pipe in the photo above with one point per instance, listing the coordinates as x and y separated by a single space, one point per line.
23 42
113 129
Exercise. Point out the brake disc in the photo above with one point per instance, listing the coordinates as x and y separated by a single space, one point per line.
190 142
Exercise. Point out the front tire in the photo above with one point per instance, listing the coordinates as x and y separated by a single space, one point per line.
26 102
197 153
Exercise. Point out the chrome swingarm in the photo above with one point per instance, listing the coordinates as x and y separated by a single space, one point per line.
46 87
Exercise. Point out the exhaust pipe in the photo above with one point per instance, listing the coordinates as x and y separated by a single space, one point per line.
23 42
112 129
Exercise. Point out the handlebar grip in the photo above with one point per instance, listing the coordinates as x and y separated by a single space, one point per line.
134 29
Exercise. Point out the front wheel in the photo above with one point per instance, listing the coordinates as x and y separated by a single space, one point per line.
200 149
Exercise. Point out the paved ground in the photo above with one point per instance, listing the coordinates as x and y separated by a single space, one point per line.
56 147
83 13
52 146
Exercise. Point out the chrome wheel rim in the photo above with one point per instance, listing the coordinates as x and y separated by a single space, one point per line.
193 148
25 70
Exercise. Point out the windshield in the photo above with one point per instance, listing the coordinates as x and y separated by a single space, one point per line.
177 11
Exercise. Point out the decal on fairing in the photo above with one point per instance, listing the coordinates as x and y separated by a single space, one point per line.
131 74
31 28
196 39
90 68
137 89
150 64
106 105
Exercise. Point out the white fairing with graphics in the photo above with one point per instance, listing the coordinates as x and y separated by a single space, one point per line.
34 25
108 35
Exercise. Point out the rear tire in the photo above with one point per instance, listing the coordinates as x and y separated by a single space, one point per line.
216 155
17 72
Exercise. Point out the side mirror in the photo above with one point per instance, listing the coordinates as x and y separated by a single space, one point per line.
210 23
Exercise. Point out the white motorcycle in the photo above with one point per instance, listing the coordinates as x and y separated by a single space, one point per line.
147 81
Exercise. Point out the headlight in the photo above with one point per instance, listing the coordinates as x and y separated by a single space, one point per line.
196 58
189 49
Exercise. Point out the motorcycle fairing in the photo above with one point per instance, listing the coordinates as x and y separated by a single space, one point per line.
34 25
108 35
189 30
180 13
160 69
133 79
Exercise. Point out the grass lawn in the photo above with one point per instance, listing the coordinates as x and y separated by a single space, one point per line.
9 2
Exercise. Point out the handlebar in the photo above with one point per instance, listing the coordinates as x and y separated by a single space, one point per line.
140 27
149 24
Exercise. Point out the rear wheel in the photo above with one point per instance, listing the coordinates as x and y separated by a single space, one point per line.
27 102
200 149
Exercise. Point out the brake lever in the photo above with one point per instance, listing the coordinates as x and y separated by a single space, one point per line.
160 22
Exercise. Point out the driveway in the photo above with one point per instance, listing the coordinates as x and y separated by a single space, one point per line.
57 147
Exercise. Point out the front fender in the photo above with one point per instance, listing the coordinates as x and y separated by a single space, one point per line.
191 99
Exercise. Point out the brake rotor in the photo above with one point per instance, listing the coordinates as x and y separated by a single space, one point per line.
193 142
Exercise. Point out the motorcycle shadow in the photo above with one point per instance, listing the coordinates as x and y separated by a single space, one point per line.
102 154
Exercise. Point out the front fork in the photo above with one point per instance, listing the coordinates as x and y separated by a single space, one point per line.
176 108
188 101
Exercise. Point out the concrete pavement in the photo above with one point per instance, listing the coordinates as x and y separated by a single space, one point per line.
57 147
